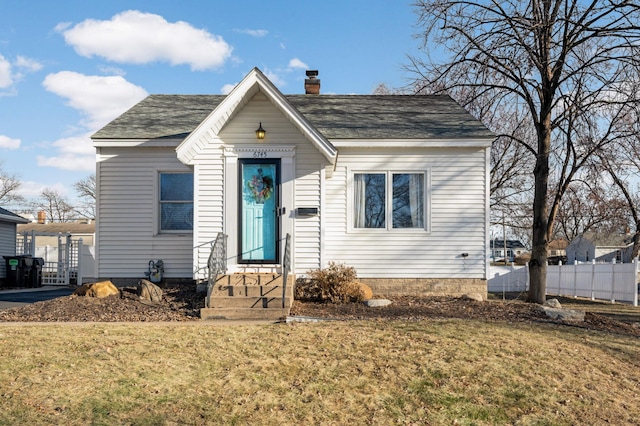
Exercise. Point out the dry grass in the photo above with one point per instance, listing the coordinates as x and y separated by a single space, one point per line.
369 372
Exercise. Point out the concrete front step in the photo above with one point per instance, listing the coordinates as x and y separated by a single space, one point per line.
253 279
249 302
250 291
243 314
249 296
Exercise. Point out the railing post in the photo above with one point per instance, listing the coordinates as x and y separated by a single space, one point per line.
286 267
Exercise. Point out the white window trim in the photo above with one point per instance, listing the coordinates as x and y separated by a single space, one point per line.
156 211
388 207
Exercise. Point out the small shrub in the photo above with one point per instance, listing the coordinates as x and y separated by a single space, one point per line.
335 283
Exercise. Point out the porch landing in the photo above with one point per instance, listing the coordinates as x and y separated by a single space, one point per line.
249 296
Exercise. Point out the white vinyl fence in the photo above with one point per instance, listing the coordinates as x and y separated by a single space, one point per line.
607 281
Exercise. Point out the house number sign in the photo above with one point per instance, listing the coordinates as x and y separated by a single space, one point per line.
259 153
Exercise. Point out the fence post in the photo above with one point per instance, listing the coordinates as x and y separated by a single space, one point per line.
635 282
613 282
593 278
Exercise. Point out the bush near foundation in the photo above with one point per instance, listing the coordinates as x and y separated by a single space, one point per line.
336 284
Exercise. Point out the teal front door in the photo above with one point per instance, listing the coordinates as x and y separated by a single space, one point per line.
259 207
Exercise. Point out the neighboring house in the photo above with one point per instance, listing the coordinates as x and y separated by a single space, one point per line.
47 233
514 248
557 251
395 186
601 247
8 223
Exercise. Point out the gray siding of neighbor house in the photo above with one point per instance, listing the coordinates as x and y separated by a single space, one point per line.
7 244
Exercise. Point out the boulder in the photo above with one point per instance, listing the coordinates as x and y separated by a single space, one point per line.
376 303
99 289
567 315
148 291
553 303
363 290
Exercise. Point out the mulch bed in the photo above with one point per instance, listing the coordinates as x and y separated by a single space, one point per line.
181 303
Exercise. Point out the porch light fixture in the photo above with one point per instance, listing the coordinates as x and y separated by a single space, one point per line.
260 132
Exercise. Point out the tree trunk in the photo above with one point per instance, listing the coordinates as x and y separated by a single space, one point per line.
538 263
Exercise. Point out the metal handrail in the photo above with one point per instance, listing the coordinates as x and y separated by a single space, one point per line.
216 263
286 267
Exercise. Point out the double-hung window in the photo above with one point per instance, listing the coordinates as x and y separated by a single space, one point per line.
176 202
389 200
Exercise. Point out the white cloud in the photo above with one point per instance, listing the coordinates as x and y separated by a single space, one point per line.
31 189
74 153
298 64
253 33
69 162
9 143
108 70
139 38
100 99
227 88
6 79
275 78
28 64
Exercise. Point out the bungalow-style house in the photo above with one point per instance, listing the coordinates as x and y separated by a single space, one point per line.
512 248
601 247
8 223
395 186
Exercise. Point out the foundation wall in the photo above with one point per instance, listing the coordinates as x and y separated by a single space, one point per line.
425 286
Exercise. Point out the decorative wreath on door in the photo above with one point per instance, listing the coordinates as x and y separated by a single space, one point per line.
260 187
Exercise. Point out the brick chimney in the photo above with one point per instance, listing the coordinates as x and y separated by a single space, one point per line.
312 83
42 217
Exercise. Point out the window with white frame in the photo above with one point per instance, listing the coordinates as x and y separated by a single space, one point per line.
389 200
176 202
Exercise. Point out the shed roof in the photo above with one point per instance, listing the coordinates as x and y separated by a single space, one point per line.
335 116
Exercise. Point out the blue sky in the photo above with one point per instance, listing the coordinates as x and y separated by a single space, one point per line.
69 67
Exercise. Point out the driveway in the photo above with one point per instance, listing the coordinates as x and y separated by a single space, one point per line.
10 298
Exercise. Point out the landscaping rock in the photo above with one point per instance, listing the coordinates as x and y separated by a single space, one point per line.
375 303
473 296
363 290
99 290
567 315
553 303
148 291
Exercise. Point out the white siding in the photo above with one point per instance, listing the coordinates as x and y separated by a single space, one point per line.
210 168
126 229
7 244
457 217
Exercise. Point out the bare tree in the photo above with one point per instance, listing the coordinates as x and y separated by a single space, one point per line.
9 186
86 190
55 205
557 59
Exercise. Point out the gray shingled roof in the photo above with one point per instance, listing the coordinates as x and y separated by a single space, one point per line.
10 216
59 227
335 116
